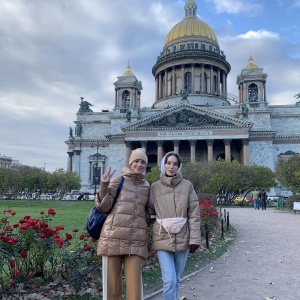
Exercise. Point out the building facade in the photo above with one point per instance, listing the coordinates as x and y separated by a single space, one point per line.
192 112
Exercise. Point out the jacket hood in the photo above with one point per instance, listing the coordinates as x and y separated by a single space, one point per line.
171 181
162 165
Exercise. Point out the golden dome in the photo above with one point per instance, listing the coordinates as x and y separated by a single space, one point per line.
251 65
191 26
128 72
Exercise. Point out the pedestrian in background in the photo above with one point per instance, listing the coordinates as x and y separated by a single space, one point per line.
176 230
255 195
264 198
123 238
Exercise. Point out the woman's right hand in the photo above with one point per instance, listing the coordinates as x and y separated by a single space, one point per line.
108 175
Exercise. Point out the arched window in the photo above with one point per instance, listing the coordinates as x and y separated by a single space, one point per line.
125 97
188 81
252 92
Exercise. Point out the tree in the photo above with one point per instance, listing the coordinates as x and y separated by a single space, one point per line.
228 178
7 180
153 175
288 172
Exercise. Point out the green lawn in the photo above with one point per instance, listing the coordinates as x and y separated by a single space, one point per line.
70 214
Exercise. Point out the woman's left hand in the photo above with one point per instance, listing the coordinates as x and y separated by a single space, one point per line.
193 248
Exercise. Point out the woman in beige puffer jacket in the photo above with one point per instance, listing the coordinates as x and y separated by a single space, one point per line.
123 238
174 202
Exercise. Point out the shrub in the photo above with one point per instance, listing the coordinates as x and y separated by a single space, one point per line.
289 201
33 252
209 216
206 196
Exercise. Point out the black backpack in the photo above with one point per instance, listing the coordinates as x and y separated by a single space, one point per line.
96 219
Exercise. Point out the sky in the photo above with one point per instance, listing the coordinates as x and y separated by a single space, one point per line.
52 52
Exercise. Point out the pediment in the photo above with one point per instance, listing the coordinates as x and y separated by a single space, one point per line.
186 116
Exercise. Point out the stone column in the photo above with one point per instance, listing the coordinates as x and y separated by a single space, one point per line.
202 79
173 81
211 79
127 153
144 145
193 150
159 86
223 86
159 152
265 95
166 84
209 150
116 99
176 146
193 78
70 161
156 88
227 143
245 152
102 169
182 77
218 82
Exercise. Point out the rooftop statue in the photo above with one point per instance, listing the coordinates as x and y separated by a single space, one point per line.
85 106
184 94
245 109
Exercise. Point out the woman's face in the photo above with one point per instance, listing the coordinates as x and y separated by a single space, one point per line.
171 166
138 166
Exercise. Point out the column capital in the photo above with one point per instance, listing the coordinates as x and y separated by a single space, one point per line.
70 153
193 142
144 143
245 141
77 152
227 142
210 142
128 144
176 142
159 143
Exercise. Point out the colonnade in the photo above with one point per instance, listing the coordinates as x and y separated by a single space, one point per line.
210 150
164 75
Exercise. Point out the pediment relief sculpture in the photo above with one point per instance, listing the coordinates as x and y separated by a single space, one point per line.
185 118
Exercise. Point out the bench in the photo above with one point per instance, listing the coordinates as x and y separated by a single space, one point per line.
296 206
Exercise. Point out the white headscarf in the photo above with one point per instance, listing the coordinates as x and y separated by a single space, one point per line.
162 164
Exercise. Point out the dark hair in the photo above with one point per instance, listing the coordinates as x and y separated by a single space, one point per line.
173 154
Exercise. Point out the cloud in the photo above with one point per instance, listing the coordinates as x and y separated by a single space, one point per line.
249 8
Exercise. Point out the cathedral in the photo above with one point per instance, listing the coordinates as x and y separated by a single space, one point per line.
192 112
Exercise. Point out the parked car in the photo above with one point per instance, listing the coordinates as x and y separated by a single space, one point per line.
239 200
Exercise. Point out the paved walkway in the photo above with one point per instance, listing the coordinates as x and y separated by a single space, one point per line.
262 264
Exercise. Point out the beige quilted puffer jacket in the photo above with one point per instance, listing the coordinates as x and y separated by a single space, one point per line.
125 229
172 197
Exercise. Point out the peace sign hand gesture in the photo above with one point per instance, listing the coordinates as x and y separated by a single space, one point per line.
108 175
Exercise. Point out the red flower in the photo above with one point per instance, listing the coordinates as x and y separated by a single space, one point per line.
42 212
43 236
51 211
60 227
24 254
13 263
17 272
68 236
16 225
27 217
75 230
68 243
81 237
13 213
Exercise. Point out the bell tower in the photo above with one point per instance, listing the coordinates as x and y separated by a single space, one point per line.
252 86
128 92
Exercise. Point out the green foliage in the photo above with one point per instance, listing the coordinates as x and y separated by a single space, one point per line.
288 172
209 197
31 178
290 200
153 175
228 178
33 251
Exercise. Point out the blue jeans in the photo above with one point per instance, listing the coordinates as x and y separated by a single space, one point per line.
256 203
172 265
